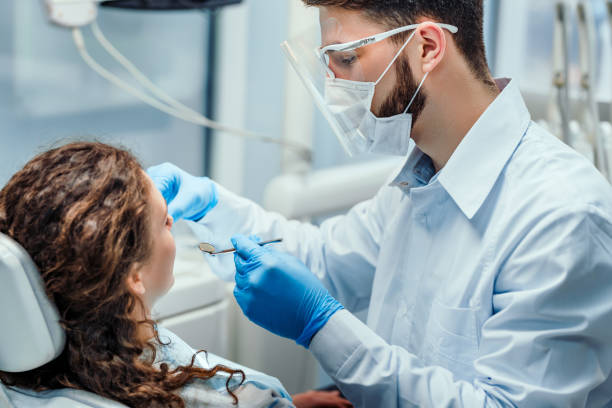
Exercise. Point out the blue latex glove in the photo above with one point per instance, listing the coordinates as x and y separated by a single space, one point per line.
277 292
188 197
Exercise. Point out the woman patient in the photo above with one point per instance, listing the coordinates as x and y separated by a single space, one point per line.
99 232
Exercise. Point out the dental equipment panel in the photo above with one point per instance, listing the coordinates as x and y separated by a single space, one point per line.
71 13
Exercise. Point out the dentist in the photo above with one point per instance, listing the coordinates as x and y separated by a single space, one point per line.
485 262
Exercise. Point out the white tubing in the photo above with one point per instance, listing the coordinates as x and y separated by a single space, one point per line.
137 74
103 72
169 105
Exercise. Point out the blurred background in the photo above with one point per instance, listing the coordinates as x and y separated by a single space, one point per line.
227 64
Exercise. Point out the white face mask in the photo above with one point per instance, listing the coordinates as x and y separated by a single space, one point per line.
350 102
345 104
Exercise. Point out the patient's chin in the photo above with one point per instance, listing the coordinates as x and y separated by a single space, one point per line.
171 283
168 286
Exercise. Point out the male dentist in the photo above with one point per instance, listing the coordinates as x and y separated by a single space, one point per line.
485 263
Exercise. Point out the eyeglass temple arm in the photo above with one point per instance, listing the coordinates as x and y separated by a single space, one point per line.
382 36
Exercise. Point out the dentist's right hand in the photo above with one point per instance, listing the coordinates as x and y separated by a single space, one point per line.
279 293
188 197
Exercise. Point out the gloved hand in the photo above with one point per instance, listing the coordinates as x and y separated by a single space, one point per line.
188 197
278 292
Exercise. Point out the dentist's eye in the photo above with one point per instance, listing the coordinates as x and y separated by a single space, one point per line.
349 61
343 59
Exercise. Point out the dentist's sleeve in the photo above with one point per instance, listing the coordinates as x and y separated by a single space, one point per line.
342 252
548 342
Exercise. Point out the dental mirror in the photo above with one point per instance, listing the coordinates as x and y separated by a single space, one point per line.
211 250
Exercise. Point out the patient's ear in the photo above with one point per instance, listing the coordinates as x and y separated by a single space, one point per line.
135 283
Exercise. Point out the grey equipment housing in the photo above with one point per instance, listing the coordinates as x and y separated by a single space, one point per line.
168 4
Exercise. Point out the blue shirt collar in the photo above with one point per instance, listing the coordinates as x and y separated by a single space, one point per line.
478 161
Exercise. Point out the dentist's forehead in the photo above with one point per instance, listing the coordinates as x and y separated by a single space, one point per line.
340 26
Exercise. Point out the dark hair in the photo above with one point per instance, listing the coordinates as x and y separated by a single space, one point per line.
82 212
467 15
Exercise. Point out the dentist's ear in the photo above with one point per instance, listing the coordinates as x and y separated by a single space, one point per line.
431 43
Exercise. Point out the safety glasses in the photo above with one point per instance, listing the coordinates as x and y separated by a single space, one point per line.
342 54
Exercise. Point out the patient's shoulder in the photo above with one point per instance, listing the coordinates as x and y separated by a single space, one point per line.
175 352
249 395
259 390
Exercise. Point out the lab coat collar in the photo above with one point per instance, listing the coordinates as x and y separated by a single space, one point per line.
476 164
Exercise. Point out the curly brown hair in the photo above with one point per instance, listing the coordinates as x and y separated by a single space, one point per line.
81 211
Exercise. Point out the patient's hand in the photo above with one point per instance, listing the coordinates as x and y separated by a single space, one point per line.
321 399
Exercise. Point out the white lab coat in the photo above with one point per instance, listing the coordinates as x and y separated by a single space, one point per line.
487 285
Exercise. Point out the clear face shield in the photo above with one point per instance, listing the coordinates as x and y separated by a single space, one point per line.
329 63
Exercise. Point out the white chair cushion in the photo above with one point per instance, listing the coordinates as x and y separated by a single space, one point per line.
31 334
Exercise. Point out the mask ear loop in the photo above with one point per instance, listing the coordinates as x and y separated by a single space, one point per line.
395 58
393 62
416 93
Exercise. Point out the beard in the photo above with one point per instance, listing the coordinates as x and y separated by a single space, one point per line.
406 87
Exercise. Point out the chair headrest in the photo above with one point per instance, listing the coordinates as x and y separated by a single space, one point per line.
29 322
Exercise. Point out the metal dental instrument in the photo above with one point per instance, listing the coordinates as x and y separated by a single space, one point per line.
211 250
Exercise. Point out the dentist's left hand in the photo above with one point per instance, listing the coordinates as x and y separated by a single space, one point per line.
188 197
278 292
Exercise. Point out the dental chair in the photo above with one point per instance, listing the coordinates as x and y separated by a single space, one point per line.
30 334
